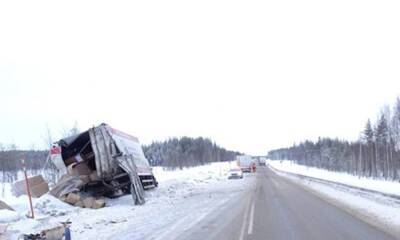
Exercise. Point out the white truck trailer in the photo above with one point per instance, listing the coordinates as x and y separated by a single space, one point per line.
245 162
262 161
113 160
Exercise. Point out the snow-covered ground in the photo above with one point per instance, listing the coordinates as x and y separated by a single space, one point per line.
389 187
376 209
182 199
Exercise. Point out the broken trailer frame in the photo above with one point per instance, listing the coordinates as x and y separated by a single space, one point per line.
114 158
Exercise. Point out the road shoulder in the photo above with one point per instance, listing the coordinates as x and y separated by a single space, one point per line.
330 195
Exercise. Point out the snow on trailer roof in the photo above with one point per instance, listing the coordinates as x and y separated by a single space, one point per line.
69 140
122 134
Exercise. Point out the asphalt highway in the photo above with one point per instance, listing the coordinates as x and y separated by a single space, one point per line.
277 209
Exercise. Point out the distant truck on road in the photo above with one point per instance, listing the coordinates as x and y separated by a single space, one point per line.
245 162
262 161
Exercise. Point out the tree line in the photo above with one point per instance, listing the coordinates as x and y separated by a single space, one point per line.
10 158
10 155
186 152
10 162
375 154
173 153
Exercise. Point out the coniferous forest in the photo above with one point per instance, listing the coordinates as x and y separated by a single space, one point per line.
186 152
375 154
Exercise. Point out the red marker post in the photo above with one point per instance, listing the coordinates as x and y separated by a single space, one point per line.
28 190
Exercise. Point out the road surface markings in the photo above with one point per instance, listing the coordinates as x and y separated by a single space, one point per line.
251 221
246 211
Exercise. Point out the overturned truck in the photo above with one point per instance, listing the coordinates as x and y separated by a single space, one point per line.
106 161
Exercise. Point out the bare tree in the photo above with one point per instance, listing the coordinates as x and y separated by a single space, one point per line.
68 132
47 137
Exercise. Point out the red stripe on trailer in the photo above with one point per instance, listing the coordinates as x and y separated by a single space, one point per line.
55 150
122 134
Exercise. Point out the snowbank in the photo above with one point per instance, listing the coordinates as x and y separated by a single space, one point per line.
187 194
7 216
362 182
5 192
214 171
373 208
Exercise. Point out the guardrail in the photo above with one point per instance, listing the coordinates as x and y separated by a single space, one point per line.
328 182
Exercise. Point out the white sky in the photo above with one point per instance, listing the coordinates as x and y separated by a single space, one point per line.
251 75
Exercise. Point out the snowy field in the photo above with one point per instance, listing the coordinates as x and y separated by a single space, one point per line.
376 209
182 199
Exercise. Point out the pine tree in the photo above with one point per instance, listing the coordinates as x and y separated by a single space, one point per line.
369 138
381 135
369 132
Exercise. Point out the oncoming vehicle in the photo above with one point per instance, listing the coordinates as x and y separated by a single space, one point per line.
235 173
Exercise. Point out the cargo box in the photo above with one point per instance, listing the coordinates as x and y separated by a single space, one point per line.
37 184
113 161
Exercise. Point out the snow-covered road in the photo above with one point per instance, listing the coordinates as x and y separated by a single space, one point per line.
185 200
182 199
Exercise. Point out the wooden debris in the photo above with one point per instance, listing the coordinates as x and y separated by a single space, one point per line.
88 202
73 198
38 186
93 176
98 203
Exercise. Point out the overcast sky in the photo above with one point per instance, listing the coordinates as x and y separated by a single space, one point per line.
251 75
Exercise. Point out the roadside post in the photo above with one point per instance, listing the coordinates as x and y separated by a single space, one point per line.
28 190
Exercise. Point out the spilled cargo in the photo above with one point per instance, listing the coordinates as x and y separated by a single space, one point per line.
101 161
